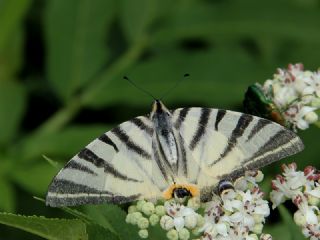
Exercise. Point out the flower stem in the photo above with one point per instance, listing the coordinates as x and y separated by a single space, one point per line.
65 115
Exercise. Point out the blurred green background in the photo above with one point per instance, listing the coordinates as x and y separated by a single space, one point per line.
62 62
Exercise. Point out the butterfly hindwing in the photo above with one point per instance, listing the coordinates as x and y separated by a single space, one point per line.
227 143
116 167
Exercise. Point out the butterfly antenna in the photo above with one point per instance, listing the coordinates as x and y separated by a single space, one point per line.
140 88
175 85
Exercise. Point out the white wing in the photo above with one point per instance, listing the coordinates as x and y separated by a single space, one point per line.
116 167
226 143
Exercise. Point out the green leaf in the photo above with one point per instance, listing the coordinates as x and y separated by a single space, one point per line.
76 34
292 229
52 229
277 231
97 232
53 163
11 57
112 218
63 143
236 21
74 212
11 16
12 106
7 198
36 180
214 78
137 16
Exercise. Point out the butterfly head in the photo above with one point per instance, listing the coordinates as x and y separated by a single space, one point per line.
158 108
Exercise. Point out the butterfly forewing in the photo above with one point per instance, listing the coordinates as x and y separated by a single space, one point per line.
226 143
116 167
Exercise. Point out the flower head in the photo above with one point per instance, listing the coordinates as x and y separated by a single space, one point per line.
294 94
302 188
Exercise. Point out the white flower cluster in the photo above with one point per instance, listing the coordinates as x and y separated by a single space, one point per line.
239 212
296 93
303 189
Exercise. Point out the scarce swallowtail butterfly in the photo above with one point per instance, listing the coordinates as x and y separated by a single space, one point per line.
185 152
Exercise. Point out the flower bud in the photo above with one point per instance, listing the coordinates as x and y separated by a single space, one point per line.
135 217
132 209
259 177
160 210
200 220
190 221
194 203
265 236
311 117
143 223
312 200
147 208
154 219
316 101
299 218
184 234
252 237
166 222
140 203
172 235
143 233
257 228
258 218
129 218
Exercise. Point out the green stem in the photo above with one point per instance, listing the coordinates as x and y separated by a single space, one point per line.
118 67
65 115
60 118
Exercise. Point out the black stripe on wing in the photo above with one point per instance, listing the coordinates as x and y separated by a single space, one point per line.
242 124
220 114
261 123
73 164
202 125
91 157
182 116
104 138
142 125
129 143
160 164
64 186
55 201
182 161
278 141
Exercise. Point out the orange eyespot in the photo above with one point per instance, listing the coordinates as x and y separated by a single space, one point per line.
193 189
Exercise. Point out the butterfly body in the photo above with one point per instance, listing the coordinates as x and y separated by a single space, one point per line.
170 153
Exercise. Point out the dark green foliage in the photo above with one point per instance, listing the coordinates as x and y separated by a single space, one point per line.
61 68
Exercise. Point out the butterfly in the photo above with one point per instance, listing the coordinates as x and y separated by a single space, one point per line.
170 154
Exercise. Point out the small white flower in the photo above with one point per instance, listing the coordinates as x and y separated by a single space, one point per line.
179 213
312 231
